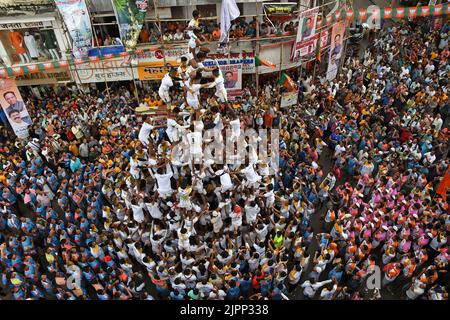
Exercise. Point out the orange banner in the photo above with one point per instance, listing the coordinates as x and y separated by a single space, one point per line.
444 185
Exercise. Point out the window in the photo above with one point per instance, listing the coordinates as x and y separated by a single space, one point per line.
207 10
177 12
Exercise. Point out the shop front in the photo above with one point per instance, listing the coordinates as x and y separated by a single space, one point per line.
28 39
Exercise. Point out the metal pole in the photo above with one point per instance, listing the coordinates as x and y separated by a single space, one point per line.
161 31
344 52
257 49
134 83
281 63
301 69
99 53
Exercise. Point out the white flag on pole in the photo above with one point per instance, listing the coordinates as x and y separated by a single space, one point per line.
228 13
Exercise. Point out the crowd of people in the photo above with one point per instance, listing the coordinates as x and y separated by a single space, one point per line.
177 32
103 203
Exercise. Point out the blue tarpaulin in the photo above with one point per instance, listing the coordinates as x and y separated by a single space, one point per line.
106 50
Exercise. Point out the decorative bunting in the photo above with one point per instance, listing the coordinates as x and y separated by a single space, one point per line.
32 68
48 65
412 12
425 11
3 73
438 9
319 22
349 15
362 14
17 71
400 13
63 64
386 13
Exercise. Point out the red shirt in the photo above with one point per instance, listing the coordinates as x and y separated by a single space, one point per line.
256 281
405 135
268 119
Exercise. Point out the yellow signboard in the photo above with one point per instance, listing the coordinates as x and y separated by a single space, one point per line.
151 71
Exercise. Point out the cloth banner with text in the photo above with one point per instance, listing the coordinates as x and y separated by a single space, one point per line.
130 15
76 18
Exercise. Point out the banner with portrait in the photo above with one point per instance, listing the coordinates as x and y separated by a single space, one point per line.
308 47
76 18
232 73
306 30
336 48
13 108
130 15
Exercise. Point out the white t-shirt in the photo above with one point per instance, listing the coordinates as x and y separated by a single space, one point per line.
235 127
192 43
225 181
172 130
154 211
164 182
166 83
217 223
144 133
219 83
251 213
193 92
195 142
250 174
236 218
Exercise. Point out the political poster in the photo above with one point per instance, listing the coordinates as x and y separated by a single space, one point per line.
130 15
325 38
13 108
289 99
336 47
232 73
231 70
308 47
306 30
76 18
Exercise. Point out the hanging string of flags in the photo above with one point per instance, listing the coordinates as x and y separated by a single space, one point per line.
348 15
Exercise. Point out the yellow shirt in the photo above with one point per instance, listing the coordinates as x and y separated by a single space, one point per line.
49 258
3 179
74 149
